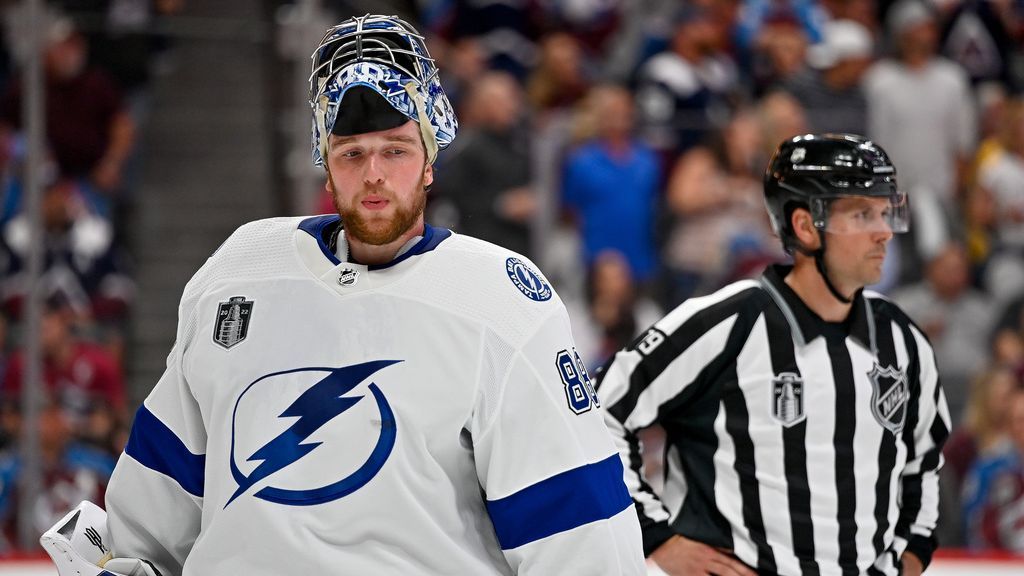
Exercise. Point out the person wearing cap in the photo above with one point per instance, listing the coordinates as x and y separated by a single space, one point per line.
803 414
681 92
921 109
363 393
830 88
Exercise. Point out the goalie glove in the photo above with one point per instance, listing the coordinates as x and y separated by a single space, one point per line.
80 546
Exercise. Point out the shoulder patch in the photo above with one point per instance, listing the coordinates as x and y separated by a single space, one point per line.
232 325
527 281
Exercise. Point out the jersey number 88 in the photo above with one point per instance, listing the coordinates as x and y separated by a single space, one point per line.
579 390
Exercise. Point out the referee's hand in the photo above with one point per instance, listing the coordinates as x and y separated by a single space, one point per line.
680 556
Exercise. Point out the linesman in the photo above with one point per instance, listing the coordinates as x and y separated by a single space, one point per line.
804 416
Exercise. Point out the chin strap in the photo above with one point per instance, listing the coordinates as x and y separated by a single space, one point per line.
426 130
819 263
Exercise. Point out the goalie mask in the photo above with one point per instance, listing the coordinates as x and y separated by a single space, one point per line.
374 73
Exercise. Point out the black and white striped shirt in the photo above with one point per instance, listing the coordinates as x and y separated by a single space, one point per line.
805 447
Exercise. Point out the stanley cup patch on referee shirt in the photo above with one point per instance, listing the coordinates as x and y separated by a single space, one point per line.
788 398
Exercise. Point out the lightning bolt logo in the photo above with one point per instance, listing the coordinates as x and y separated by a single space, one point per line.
315 407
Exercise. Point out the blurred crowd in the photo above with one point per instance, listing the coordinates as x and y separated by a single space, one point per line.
622 144
97 60
618 143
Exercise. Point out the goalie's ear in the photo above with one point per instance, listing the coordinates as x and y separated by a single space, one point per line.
79 543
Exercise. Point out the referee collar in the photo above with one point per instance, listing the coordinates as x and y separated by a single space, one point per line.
805 324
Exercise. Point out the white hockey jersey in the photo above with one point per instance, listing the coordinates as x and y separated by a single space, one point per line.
428 416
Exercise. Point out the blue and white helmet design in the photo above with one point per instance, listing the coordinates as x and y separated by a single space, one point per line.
387 55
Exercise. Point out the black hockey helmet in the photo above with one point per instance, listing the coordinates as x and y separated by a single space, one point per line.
812 170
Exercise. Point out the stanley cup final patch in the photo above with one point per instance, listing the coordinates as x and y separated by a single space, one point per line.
788 399
890 395
232 323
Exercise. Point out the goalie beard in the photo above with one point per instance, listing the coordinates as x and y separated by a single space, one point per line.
379 233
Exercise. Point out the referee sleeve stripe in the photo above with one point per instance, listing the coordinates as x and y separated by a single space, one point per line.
691 320
590 493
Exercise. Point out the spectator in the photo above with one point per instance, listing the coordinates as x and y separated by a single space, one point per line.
917 97
505 31
781 117
486 175
955 317
1008 333
1003 175
982 432
615 312
89 128
126 43
993 103
979 224
593 23
560 79
682 93
830 90
71 473
757 12
82 262
978 36
467 62
79 375
778 54
994 491
994 207
714 194
863 12
611 183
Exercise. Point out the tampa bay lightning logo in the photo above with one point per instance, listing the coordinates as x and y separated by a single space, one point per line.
529 282
316 407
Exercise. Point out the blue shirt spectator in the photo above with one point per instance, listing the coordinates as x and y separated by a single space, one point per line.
611 184
614 197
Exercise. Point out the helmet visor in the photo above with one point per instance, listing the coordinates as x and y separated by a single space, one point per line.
862 214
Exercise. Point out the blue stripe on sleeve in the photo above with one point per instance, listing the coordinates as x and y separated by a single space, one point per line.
156 447
563 502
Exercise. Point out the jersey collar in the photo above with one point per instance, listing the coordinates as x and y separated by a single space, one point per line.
805 324
322 228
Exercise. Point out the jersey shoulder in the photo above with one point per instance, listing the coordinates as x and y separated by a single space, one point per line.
498 287
742 297
885 310
257 250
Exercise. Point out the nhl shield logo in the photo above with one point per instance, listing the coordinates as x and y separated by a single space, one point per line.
889 397
232 324
348 277
788 399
